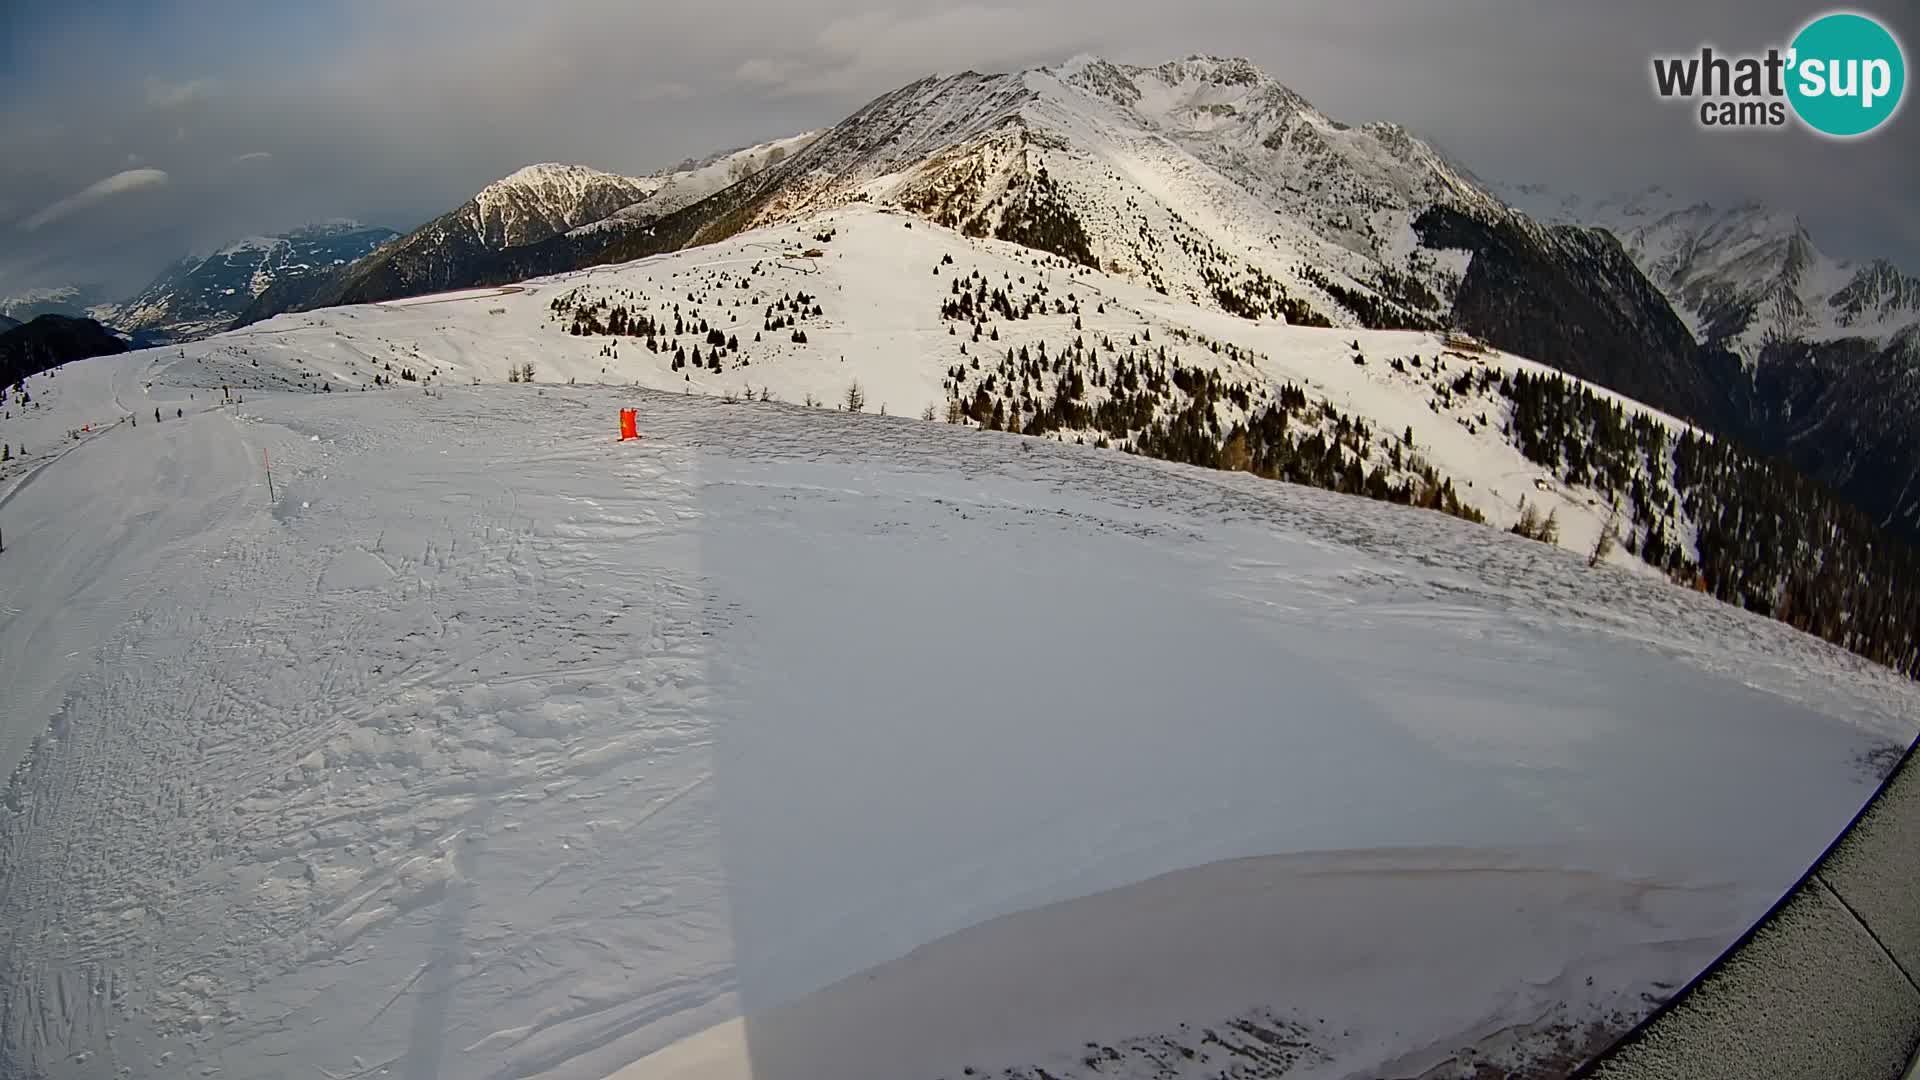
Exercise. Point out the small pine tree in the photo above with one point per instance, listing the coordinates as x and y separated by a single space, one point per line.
1234 456
1609 536
856 399
1529 523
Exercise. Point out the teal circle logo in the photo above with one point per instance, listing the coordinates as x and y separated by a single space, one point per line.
1846 75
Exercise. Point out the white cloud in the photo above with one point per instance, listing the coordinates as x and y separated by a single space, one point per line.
760 71
118 184
166 95
256 155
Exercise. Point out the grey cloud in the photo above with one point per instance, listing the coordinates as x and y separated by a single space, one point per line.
415 104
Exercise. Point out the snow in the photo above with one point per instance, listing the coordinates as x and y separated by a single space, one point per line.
488 745
881 328
254 244
1200 944
682 187
538 201
58 299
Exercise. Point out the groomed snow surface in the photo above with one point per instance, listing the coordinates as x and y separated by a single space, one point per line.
790 743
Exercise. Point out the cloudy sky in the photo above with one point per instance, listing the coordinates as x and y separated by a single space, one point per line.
137 130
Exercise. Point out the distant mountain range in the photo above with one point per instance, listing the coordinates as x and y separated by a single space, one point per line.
1744 277
74 301
1828 351
197 296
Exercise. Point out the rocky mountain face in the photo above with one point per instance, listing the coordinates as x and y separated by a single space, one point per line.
1744 276
47 341
1202 177
198 296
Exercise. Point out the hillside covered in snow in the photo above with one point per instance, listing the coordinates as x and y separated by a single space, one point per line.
1122 576
971 330
794 740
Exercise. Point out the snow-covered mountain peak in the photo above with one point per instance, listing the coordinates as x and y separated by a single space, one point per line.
1197 92
554 184
549 174
541 200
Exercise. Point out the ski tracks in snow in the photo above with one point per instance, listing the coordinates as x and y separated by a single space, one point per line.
414 769
291 756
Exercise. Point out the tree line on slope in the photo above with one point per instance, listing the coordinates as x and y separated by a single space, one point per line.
1143 399
1766 537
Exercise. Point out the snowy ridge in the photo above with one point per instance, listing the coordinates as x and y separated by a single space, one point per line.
72 300
538 201
695 180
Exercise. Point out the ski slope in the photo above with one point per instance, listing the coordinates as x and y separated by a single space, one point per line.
786 740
